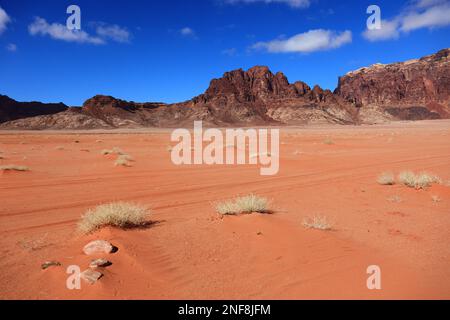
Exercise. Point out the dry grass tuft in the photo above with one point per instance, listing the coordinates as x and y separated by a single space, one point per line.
114 150
395 199
122 162
328 141
12 167
246 204
419 181
317 222
125 157
386 179
119 214
436 199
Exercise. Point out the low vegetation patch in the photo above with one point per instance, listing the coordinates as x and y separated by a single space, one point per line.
328 141
317 222
386 179
119 214
241 205
435 199
114 150
122 162
12 167
125 157
418 181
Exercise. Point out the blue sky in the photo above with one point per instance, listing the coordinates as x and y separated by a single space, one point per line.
170 50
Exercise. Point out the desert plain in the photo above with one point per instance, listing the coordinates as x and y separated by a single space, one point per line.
189 251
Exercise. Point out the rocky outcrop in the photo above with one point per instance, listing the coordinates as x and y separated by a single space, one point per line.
71 119
259 96
411 90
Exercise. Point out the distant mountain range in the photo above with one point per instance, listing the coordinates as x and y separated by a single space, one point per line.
412 90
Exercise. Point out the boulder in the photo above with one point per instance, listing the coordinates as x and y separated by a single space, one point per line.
91 276
99 247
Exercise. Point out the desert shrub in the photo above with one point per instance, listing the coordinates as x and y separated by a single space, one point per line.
246 204
122 162
408 178
12 167
227 208
317 222
125 157
420 181
424 180
435 199
386 179
114 150
118 214
328 141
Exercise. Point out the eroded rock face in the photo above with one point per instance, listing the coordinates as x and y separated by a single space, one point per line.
411 90
259 96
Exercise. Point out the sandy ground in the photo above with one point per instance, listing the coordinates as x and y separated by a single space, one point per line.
190 252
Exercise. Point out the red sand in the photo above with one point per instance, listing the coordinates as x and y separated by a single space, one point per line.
192 253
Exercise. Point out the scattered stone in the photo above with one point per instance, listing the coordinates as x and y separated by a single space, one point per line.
99 247
49 264
91 276
99 263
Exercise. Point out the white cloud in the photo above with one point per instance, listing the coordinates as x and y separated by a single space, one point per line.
60 32
4 20
11 47
291 3
427 3
104 32
433 17
113 32
389 30
187 32
313 40
419 15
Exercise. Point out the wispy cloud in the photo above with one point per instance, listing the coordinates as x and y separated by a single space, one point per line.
310 41
60 32
113 32
187 32
291 3
419 15
57 31
231 52
4 20
11 47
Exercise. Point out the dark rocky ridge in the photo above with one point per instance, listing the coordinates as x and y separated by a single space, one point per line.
12 110
412 90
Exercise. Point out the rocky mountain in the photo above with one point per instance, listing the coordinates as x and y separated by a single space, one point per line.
411 90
